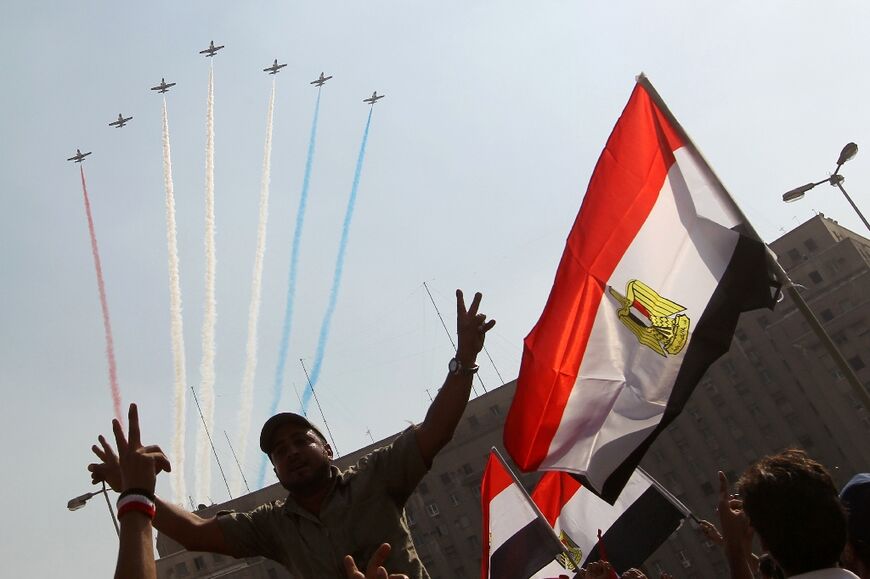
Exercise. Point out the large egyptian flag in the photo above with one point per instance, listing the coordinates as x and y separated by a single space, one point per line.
656 270
634 527
517 540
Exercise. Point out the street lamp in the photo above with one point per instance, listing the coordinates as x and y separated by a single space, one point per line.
835 180
80 501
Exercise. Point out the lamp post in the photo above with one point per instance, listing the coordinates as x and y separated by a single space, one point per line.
80 501
835 180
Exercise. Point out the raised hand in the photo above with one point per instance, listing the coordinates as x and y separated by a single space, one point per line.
375 569
599 570
109 469
633 574
711 532
471 329
139 465
736 532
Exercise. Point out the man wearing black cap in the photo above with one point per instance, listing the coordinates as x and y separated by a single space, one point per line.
330 514
855 497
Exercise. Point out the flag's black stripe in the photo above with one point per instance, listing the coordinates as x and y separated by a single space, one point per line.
525 553
639 531
742 288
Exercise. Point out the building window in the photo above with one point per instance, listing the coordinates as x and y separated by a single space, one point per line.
199 563
449 550
409 516
839 338
856 363
473 541
432 509
443 531
454 500
423 488
466 469
463 522
181 569
446 478
816 277
810 244
827 315
763 322
218 559
495 410
473 422
794 254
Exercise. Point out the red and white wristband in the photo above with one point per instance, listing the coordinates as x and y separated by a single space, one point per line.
136 502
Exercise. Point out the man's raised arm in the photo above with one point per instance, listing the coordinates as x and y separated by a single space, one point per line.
447 408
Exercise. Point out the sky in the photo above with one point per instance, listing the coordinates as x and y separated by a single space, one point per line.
476 165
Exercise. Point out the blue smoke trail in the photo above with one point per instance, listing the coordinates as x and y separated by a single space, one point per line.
291 284
339 267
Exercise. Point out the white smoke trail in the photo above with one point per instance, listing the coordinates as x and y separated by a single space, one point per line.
206 368
179 491
247 393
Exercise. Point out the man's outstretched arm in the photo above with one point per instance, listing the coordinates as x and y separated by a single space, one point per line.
192 532
446 410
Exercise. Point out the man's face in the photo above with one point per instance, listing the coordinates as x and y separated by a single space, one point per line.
301 459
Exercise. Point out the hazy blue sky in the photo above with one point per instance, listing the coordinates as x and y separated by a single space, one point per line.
477 161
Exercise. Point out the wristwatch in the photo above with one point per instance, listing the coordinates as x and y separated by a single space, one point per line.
456 368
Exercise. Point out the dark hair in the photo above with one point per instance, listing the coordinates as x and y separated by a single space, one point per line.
768 568
792 504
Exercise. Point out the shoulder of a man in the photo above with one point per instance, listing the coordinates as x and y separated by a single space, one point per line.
252 533
829 573
398 466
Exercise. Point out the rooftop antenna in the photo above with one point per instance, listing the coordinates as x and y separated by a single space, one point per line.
211 443
332 438
301 407
450 336
192 504
369 433
429 394
236 458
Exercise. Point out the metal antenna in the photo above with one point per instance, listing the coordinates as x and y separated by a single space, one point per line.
208 434
449 335
301 407
429 394
493 365
111 511
369 433
332 438
237 461
192 504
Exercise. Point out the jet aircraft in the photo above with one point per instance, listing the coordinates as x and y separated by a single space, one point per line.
374 98
79 156
163 86
275 68
122 120
320 81
211 50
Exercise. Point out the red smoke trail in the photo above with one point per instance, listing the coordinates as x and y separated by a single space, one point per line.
104 304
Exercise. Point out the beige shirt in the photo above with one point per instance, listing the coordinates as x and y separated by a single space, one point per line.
364 508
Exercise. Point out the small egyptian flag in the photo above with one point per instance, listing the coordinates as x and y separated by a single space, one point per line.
517 540
656 270
633 528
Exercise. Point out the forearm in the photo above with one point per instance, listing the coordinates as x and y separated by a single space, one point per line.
444 414
136 550
192 532
738 562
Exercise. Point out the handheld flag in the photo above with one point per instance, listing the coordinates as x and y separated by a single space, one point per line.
656 270
517 540
633 528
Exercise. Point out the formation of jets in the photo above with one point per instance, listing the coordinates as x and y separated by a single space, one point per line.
320 81
79 156
374 98
163 86
274 68
122 120
211 50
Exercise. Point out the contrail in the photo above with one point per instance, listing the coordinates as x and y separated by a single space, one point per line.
339 267
247 394
291 283
179 490
104 305
206 368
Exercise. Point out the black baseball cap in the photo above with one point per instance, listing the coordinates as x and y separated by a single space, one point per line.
279 420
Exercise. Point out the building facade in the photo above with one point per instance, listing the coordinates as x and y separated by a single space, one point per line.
776 388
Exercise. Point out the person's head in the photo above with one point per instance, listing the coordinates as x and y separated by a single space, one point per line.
768 569
792 504
856 499
299 453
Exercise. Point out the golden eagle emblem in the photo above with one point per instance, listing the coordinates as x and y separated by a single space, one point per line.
655 320
572 548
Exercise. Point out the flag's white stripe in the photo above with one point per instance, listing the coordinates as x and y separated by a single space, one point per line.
621 391
509 511
582 516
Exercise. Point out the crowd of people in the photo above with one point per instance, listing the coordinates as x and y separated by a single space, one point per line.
333 520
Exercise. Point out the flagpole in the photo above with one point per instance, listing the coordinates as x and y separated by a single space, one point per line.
680 505
781 274
538 512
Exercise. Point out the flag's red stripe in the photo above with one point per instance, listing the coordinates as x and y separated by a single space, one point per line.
553 491
622 191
